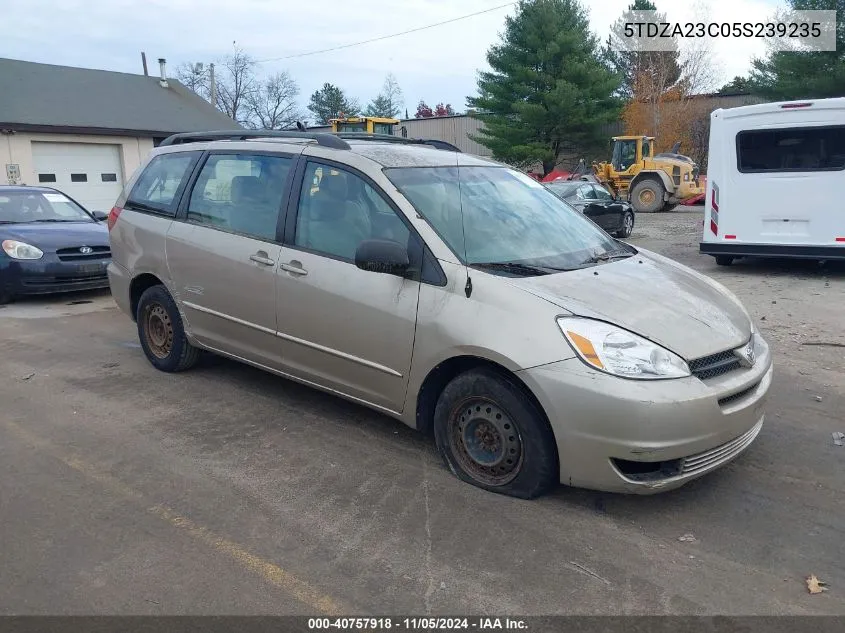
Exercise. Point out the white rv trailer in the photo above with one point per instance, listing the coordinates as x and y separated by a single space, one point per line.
775 181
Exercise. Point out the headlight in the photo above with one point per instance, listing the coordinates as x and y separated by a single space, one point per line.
21 250
613 350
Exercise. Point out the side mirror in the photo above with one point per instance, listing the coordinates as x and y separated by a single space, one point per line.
100 216
383 256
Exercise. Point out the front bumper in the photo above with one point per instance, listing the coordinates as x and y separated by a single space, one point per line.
644 437
51 275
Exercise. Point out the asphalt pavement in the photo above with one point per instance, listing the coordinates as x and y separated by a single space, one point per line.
226 490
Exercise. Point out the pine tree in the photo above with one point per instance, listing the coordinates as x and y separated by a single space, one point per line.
786 75
389 102
548 89
329 101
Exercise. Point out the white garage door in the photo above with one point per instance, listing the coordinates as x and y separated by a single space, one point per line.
90 173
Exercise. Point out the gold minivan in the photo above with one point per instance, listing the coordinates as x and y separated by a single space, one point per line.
449 291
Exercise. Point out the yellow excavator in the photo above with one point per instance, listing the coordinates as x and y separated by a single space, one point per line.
363 124
650 182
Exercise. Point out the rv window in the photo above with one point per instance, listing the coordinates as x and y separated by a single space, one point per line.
794 149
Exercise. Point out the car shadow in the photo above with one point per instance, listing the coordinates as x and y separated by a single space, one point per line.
351 417
810 269
74 297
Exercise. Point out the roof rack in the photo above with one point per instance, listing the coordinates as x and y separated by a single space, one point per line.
389 138
322 138
333 140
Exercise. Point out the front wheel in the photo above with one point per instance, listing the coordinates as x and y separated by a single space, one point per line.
491 435
161 332
627 225
647 196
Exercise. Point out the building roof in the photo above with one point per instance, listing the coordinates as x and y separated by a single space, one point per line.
44 97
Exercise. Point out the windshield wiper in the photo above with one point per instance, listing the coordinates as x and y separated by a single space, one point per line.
515 268
606 257
53 220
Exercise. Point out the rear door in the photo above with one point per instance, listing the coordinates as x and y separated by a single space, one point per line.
341 327
223 251
785 185
593 207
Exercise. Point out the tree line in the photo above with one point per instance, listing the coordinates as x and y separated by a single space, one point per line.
271 102
552 87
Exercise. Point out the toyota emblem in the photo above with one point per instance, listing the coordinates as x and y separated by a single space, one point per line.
86 250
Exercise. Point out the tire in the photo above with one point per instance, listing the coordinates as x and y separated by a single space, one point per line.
627 225
6 298
513 428
724 260
669 207
161 332
652 192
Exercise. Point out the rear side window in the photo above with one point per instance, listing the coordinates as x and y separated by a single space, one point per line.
792 149
158 186
241 193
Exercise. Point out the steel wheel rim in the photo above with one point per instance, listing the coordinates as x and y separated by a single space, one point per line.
158 331
647 196
485 441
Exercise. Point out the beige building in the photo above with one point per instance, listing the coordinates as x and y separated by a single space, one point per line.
84 132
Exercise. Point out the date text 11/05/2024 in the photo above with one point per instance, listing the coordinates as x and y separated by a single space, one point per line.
418 624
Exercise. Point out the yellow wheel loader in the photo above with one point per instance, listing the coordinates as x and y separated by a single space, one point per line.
363 124
650 182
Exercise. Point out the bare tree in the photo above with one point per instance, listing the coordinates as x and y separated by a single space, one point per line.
272 105
389 102
195 77
236 85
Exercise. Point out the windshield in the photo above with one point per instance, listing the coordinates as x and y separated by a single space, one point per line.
20 207
499 216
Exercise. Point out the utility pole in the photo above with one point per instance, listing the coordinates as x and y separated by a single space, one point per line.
212 85
144 62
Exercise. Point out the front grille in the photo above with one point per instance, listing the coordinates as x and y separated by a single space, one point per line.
715 456
739 395
714 365
73 254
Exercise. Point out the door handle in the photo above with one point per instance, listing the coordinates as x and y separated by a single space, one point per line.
261 258
294 268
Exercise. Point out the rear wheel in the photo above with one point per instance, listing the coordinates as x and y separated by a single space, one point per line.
491 435
668 207
724 260
627 225
647 196
161 333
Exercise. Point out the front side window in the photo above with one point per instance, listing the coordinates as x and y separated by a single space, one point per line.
602 193
587 192
795 149
241 193
342 212
500 217
157 185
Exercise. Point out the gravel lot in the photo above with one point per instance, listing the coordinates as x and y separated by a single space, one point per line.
226 490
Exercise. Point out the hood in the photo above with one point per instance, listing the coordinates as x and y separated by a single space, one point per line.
50 236
658 299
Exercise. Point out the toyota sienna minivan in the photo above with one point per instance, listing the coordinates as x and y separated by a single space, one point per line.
446 290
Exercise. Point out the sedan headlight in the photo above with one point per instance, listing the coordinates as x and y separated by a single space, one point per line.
619 352
21 250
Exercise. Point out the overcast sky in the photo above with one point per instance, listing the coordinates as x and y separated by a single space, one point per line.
437 64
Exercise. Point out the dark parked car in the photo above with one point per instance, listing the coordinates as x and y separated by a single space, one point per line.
594 201
49 243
